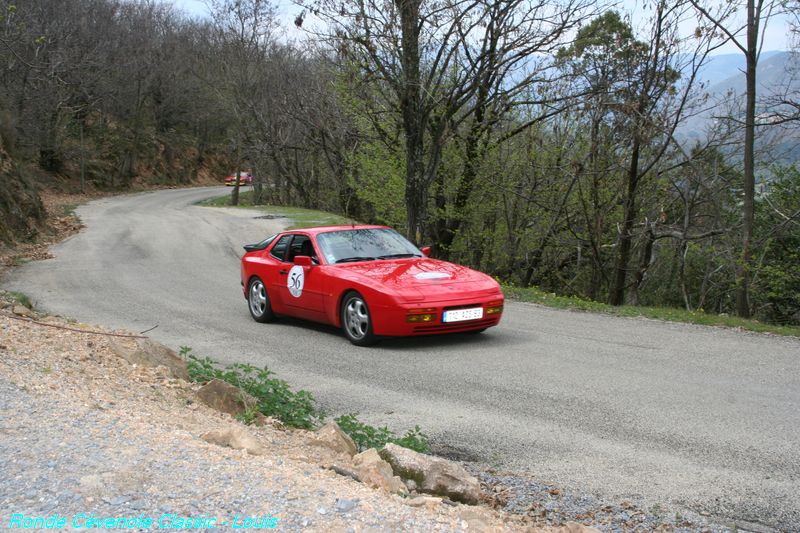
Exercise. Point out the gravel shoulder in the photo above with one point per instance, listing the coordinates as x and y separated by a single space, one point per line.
83 431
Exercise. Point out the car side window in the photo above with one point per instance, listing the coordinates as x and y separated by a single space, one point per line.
279 250
302 245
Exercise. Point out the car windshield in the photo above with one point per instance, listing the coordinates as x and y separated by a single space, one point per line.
365 245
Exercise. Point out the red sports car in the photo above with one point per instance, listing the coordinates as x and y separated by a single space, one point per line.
245 178
368 280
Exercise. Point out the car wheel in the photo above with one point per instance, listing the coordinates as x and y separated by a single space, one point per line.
356 320
258 301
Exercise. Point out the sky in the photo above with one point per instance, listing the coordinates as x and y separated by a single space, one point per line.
776 36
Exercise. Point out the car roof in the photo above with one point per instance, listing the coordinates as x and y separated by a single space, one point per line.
327 229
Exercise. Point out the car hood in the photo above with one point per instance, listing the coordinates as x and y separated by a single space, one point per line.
422 278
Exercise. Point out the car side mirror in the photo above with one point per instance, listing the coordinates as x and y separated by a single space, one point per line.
303 260
426 251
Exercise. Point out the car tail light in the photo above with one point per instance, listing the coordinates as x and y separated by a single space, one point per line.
494 308
427 314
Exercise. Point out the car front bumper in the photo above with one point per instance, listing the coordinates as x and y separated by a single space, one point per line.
392 321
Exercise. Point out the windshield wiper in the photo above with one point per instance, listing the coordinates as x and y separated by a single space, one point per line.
353 259
396 256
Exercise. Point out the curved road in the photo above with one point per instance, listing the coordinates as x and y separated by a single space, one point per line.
655 412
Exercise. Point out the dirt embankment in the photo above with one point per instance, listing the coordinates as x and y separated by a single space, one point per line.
84 432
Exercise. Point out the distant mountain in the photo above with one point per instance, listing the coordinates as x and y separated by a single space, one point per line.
725 66
724 82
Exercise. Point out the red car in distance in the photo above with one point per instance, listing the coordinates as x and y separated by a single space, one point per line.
368 280
245 178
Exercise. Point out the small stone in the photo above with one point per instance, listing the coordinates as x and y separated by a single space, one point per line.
138 505
21 310
322 510
344 506
332 437
234 437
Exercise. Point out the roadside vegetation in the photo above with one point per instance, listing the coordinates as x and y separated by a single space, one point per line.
671 314
297 409
17 297
298 216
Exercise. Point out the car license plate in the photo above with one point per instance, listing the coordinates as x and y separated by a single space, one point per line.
458 315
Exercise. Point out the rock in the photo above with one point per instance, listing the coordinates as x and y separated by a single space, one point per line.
146 352
226 398
433 475
234 437
377 473
424 501
332 437
21 310
344 506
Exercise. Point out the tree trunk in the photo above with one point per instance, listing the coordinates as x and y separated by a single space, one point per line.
410 104
743 268
617 296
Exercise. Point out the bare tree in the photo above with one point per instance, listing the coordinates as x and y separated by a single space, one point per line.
724 21
431 59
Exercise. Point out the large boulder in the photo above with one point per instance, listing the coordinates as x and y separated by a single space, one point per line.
376 473
332 437
433 475
234 437
224 397
145 352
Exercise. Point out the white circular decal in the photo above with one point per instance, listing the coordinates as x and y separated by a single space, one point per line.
295 281
432 275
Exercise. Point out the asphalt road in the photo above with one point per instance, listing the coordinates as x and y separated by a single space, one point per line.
649 411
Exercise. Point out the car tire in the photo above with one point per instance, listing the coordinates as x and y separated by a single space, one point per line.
356 320
258 301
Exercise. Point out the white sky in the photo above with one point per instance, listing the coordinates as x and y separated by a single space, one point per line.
776 36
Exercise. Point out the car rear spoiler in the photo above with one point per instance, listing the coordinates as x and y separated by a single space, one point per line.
257 246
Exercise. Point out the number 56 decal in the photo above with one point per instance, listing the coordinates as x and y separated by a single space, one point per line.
295 281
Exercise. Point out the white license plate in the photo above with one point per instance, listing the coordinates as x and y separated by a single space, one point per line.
459 315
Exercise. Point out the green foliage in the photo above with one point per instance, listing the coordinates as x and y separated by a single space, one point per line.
777 278
295 409
274 396
535 295
366 436
379 181
21 298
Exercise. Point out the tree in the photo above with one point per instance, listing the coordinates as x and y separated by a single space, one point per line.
428 60
724 21
636 82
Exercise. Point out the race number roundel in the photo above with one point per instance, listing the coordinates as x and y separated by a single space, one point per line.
295 281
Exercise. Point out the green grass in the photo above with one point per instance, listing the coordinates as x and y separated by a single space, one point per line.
298 217
19 297
535 295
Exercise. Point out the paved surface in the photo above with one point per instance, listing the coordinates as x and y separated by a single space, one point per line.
654 412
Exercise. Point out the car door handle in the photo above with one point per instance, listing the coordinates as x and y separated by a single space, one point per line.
283 272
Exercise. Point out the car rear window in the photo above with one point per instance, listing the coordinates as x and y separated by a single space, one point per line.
279 250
